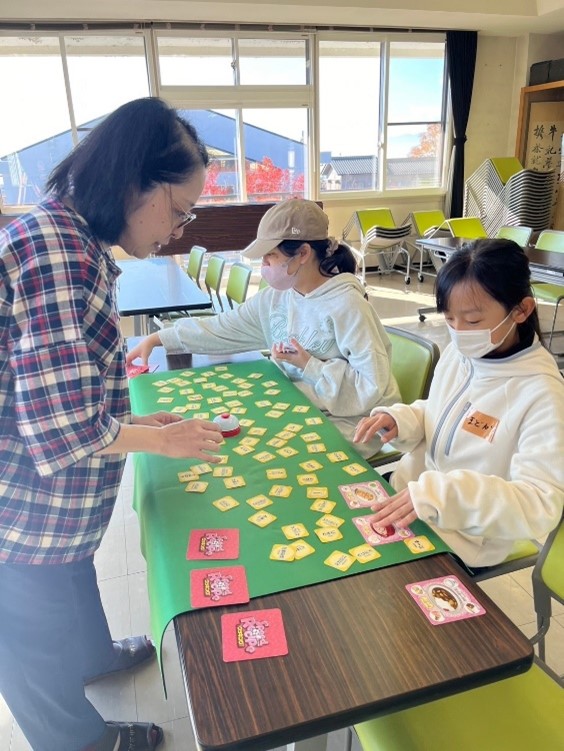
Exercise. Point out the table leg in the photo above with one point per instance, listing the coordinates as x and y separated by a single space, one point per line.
140 325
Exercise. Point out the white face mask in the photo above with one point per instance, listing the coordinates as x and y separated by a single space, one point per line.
278 277
475 344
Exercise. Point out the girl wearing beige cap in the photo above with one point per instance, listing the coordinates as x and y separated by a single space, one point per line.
313 317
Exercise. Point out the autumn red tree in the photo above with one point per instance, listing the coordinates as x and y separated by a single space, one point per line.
264 180
429 142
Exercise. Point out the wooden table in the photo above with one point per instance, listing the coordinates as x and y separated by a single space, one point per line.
154 286
358 646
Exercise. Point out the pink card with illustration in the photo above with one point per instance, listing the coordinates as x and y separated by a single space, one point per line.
363 494
444 600
253 635
213 544
218 586
376 534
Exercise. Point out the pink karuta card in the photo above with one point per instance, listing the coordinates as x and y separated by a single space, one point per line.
253 635
363 494
377 534
218 586
444 600
213 544
135 370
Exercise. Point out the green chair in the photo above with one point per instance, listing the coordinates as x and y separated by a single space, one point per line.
524 553
520 235
548 583
195 263
379 235
426 224
552 240
521 713
470 227
414 359
238 284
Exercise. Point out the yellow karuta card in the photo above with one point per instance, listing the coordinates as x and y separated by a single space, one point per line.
287 451
365 553
302 549
282 553
328 534
226 503
317 492
309 479
276 474
234 482
323 506
328 520
259 501
337 456
262 518
311 465
196 487
294 531
354 469
280 491
340 561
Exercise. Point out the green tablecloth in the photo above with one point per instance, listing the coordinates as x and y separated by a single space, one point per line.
167 512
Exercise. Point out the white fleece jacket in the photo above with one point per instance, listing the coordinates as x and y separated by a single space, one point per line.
349 372
485 465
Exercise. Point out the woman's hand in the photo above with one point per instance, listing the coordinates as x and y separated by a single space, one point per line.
197 439
398 510
292 353
381 423
156 420
143 349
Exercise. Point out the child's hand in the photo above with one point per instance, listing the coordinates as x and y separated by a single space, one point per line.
291 352
398 510
143 349
381 423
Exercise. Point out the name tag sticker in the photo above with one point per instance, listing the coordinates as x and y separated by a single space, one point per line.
484 426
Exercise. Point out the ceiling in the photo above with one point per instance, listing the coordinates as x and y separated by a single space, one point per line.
494 17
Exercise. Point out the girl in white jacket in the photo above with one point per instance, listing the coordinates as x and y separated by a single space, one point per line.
484 463
313 317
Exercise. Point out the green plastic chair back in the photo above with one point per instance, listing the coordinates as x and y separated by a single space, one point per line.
413 363
423 221
368 218
414 359
195 262
522 713
520 235
262 284
214 273
238 284
552 569
551 239
506 167
470 227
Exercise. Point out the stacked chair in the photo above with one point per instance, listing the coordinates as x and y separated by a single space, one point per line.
374 231
519 235
502 193
237 285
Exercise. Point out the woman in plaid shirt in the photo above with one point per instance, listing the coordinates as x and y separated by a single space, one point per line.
65 421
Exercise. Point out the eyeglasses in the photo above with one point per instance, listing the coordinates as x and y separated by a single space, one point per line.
184 217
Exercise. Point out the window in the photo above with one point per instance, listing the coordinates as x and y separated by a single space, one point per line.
49 120
363 147
300 113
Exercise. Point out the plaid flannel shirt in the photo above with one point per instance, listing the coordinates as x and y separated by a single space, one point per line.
63 389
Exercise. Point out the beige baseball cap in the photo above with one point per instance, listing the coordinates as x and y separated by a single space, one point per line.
294 219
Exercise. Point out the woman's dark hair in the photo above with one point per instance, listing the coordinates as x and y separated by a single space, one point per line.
340 261
500 267
134 149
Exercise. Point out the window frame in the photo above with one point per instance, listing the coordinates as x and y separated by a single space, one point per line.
240 97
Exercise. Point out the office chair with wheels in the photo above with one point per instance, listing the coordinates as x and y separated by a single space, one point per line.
414 359
379 236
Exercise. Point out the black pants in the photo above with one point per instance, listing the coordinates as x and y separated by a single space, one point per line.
53 633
